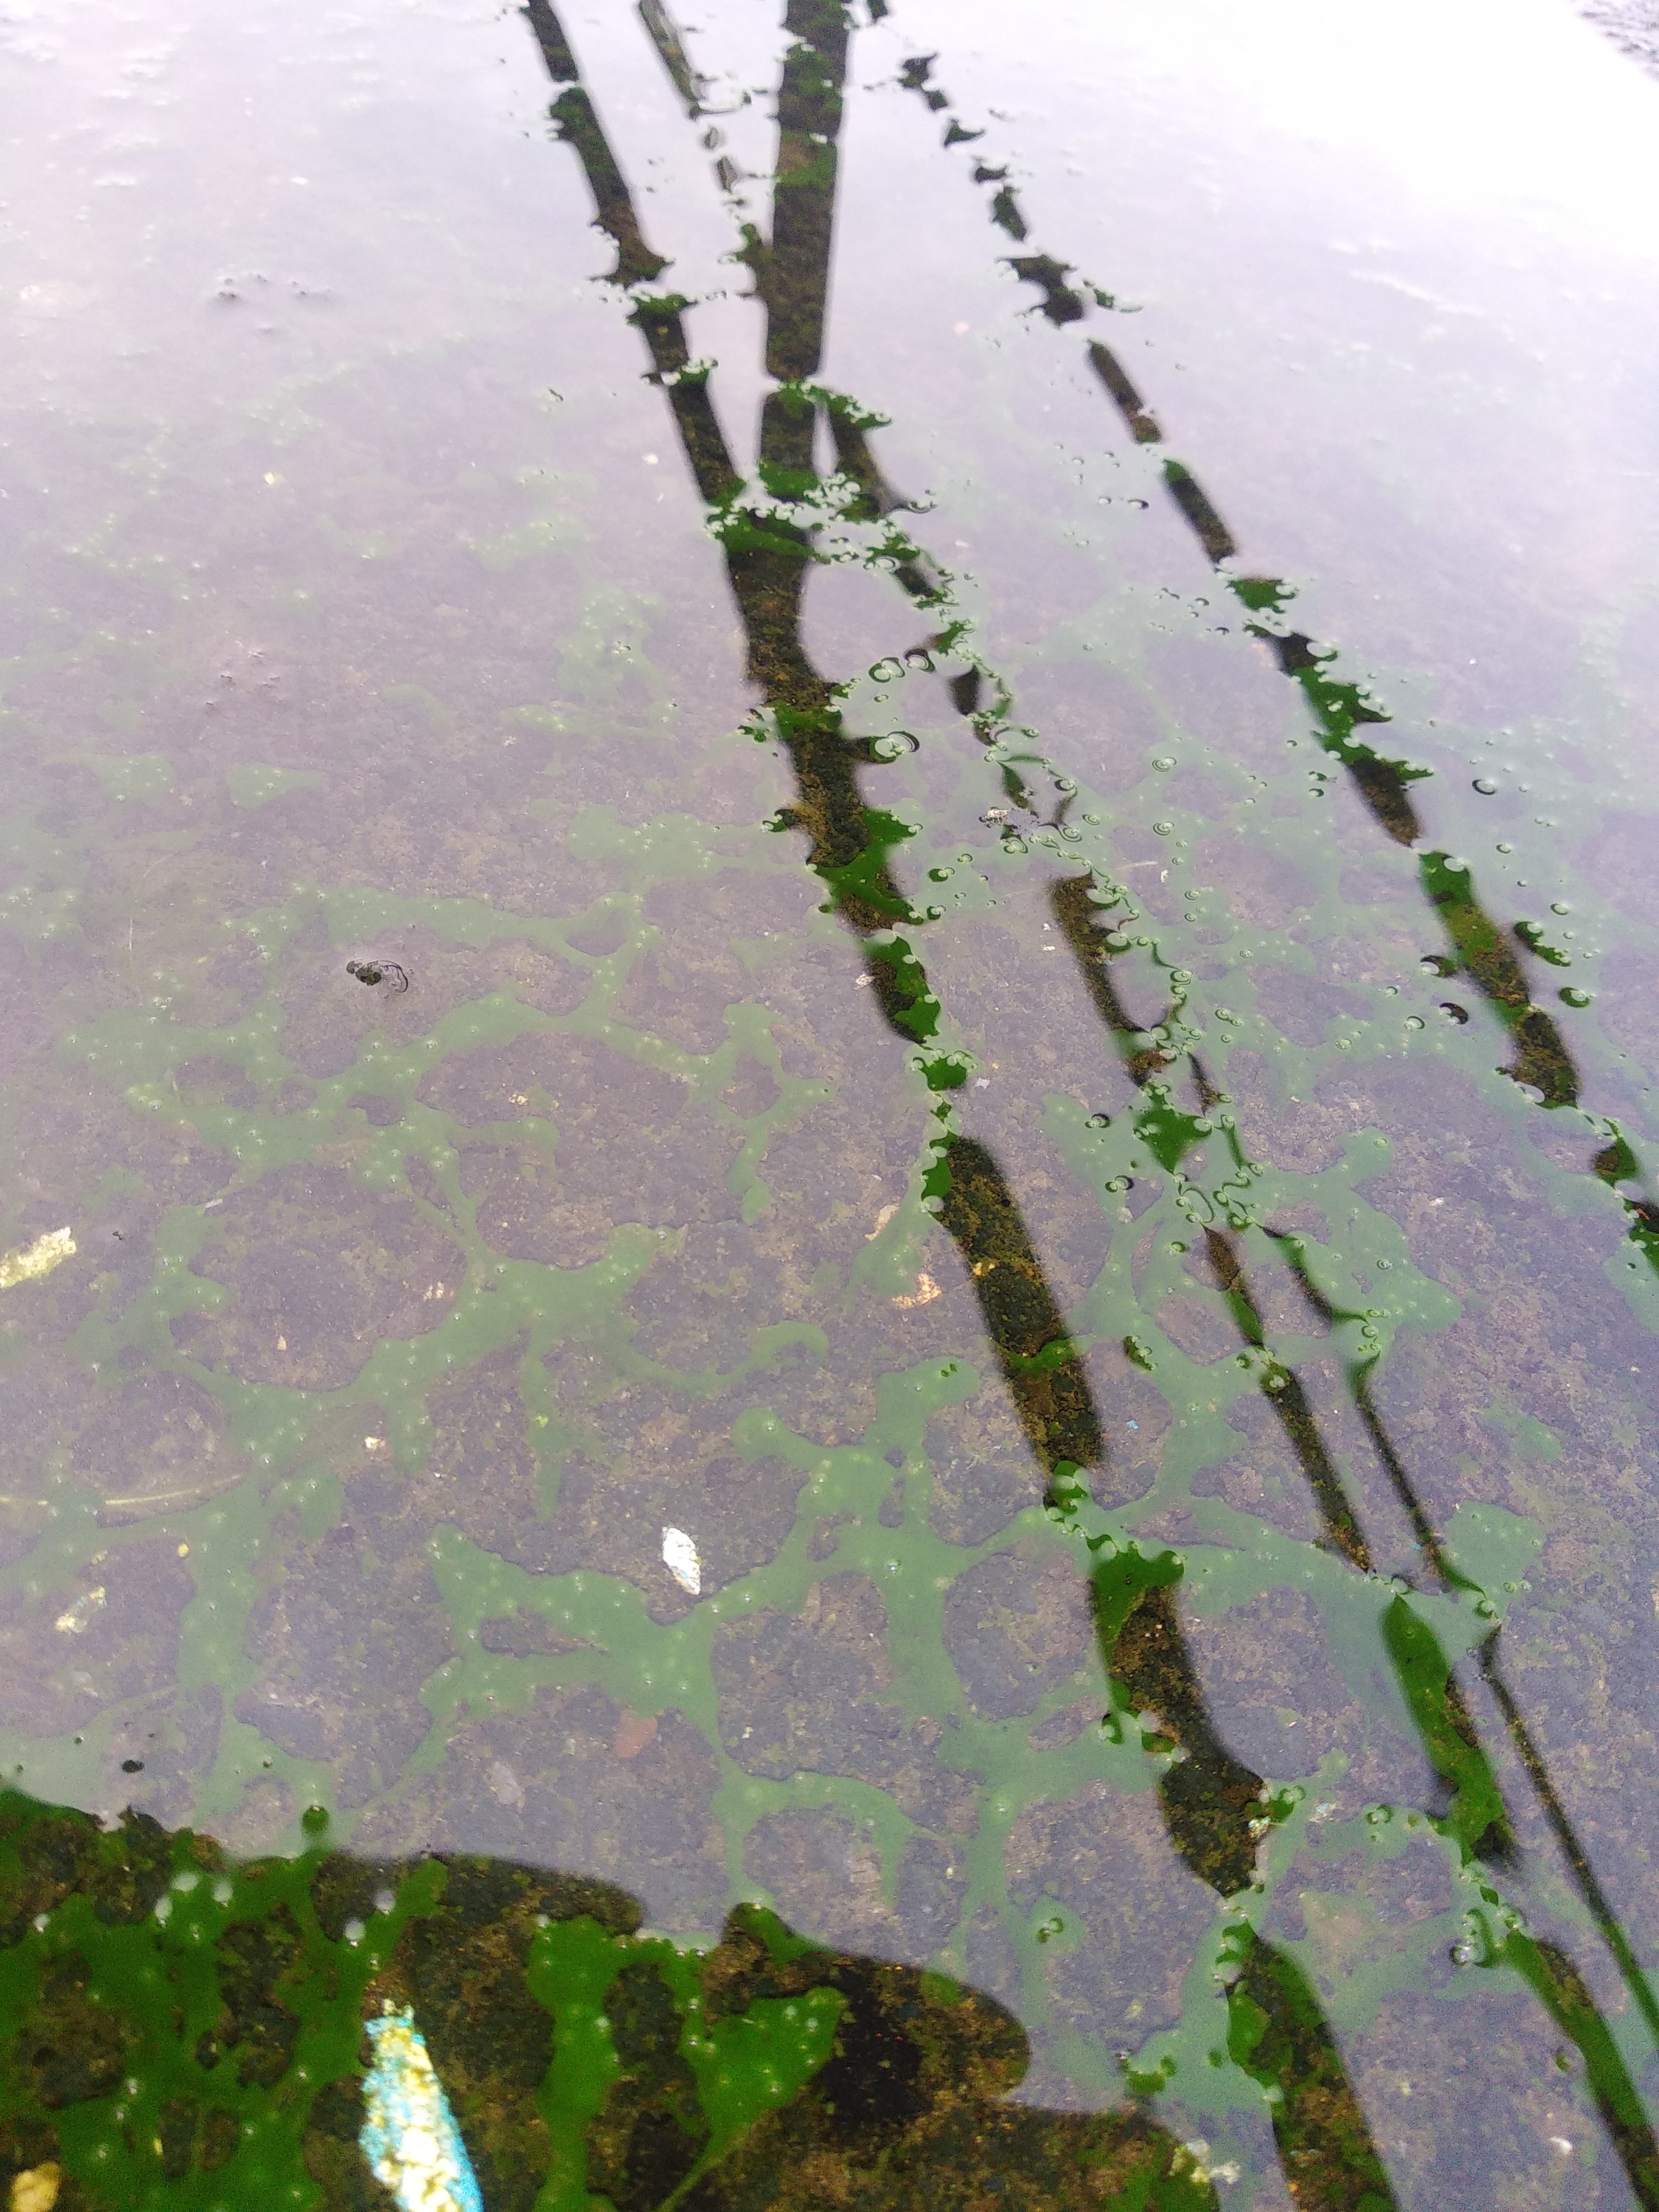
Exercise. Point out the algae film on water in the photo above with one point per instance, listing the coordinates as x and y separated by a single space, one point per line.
830 1254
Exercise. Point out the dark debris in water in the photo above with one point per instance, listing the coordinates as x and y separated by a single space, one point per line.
379 975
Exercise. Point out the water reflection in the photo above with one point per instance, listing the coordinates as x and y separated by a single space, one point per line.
498 1290
1211 1801
767 541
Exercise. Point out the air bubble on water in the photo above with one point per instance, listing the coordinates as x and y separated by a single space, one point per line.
886 672
1485 786
1163 829
1572 996
1164 761
1560 906
1414 1021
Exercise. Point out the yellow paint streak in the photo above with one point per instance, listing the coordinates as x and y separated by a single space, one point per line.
37 2190
38 1259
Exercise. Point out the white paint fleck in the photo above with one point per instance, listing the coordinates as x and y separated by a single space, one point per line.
679 1556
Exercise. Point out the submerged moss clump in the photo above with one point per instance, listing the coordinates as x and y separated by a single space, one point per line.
193 2034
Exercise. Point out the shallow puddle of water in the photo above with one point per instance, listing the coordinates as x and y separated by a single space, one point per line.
830 1253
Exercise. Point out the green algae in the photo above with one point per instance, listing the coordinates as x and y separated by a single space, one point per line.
187 2033
1178 1135
252 783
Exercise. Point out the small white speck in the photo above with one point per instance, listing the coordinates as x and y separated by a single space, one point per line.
1563 2144
679 1556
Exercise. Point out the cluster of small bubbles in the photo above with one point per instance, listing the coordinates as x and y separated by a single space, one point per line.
1120 1183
